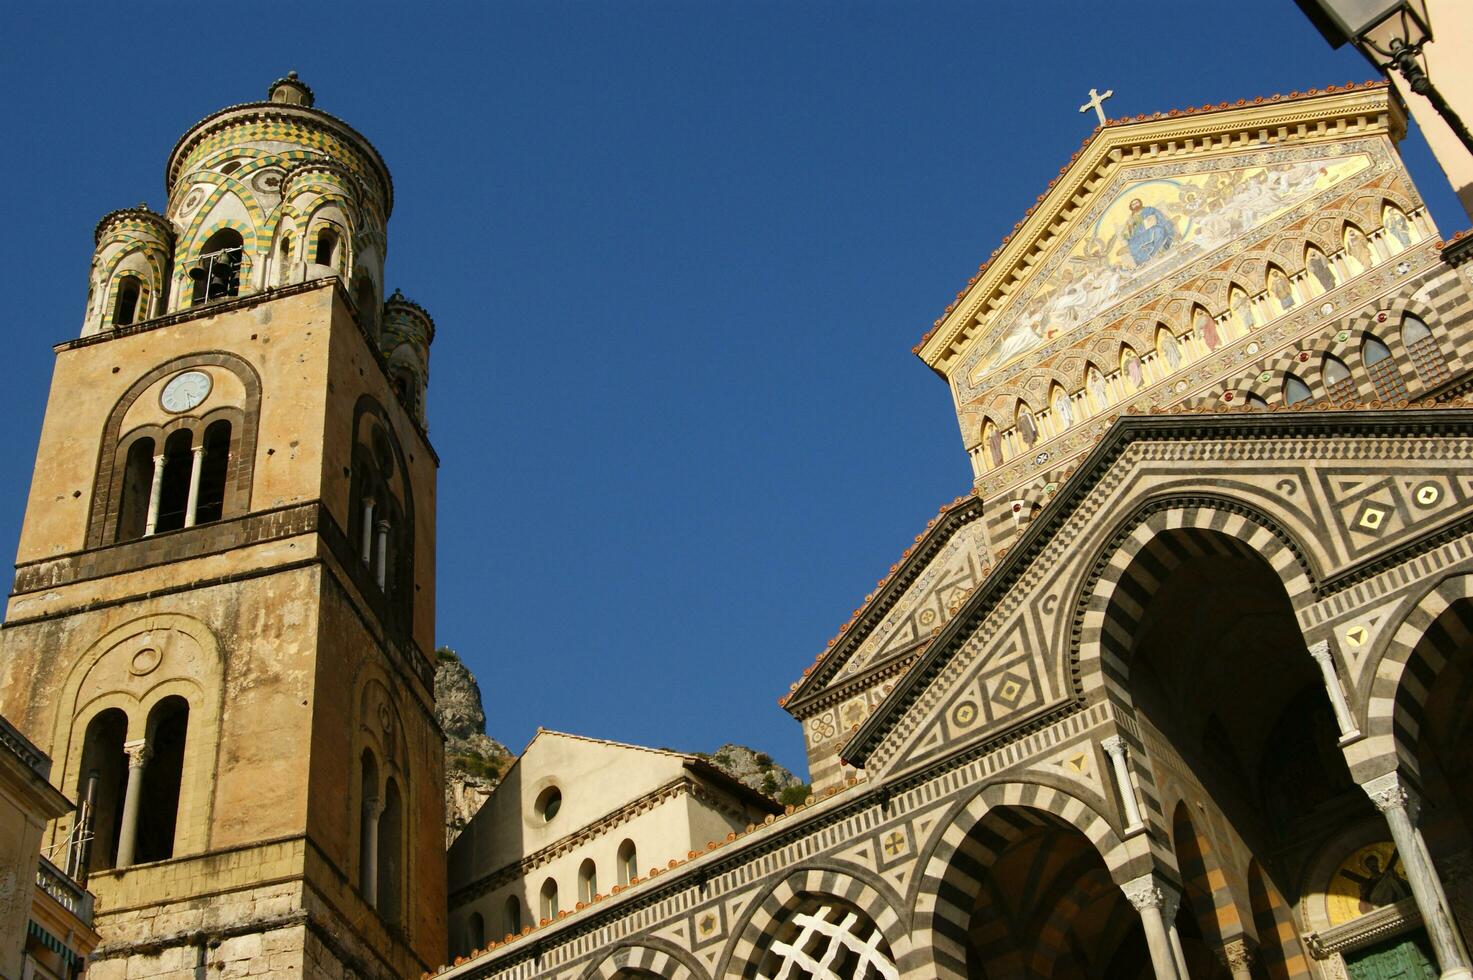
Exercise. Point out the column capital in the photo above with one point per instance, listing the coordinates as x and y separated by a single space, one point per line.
138 753
1237 955
199 450
1115 745
1388 792
1150 892
1320 651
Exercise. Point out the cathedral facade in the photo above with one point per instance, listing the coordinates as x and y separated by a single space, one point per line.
1180 689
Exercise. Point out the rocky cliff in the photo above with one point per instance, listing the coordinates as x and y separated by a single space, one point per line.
474 762
758 771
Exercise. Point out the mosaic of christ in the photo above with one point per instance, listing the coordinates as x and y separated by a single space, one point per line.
1147 229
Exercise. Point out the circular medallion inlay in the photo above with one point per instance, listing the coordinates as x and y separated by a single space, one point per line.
145 661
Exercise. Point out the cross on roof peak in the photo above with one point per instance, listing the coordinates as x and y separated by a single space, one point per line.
1097 103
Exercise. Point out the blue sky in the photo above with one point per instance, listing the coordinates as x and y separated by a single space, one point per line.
677 254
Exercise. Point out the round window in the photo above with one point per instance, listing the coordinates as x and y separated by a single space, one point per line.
549 803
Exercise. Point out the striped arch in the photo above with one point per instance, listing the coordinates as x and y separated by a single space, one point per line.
956 860
1416 652
1279 948
1149 545
191 252
846 883
648 956
1203 883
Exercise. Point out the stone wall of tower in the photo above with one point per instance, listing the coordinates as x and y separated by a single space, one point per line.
266 621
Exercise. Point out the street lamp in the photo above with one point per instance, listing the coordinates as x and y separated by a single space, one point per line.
1391 33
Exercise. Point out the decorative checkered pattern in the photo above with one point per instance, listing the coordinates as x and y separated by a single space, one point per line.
833 943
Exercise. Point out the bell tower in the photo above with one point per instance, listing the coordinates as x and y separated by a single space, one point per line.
222 624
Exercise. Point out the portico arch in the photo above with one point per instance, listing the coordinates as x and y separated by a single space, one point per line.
646 957
955 894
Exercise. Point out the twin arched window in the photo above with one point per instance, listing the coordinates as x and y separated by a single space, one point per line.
380 522
129 819
381 842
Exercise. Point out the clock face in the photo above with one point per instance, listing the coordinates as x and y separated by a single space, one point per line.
185 391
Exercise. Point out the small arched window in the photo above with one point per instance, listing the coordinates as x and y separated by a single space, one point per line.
391 855
214 471
368 828
1295 390
1381 367
1426 355
284 259
1257 401
216 273
628 862
327 247
587 881
135 490
102 787
1338 382
475 933
163 775
513 915
172 500
549 906
125 310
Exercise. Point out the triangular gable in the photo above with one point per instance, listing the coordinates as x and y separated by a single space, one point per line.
1139 202
909 606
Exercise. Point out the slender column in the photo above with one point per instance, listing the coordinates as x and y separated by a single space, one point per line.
154 494
368 531
1169 907
1321 653
383 552
1114 746
1393 800
138 753
192 508
369 858
1237 956
1145 894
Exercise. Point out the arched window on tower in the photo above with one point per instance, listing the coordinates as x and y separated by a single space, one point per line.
368 828
1427 357
125 309
587 881
628 862
513 915
163 775
391 855
137 485
1295 390
173 495
216 273
327 247
548 906
1381 366
1339 385
102 787
379 523
214 471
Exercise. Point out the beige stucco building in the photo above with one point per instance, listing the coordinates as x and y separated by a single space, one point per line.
577 818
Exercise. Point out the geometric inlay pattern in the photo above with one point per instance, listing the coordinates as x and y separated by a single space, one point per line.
831 945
